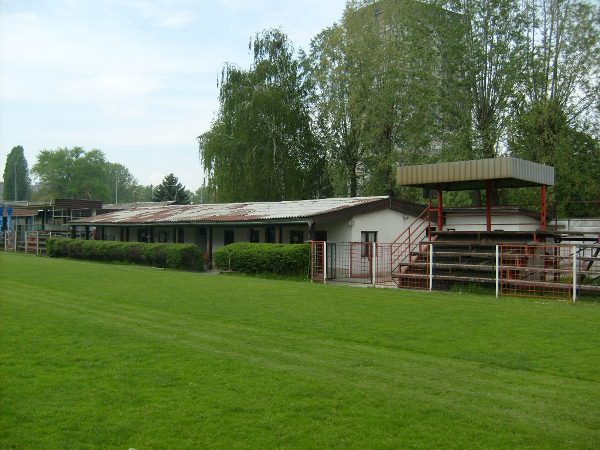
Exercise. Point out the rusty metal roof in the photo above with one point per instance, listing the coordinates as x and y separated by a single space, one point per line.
20 212
300 210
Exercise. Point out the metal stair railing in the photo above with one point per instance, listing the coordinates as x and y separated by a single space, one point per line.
409 240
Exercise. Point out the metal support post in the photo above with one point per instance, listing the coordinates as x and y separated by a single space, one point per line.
440 209
544 209
488 206
373 263
26 240
431 267
497 271
574 273
37 243
324 262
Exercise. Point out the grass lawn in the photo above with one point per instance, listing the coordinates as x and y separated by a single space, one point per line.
108 356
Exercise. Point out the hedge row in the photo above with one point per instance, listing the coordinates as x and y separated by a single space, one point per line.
173 256
284 259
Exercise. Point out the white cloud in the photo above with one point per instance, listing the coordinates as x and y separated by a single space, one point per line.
130 77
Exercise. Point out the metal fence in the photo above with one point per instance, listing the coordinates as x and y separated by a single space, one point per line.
31 241
534 270
561 271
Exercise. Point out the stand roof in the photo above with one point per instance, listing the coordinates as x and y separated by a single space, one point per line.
505 172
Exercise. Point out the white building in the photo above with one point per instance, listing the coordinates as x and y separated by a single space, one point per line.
211 227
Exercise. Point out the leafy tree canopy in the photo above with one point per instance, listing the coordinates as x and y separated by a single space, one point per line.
77 173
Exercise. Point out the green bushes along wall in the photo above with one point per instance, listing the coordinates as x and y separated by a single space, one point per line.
283 259
172 256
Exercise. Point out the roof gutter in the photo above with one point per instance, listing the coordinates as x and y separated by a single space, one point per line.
308 222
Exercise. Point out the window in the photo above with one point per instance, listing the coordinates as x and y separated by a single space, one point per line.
163 236
254 235
367 236
228 237
145 235
270 235
296 237
180 236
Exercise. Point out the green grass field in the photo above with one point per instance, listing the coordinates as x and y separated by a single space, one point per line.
108 356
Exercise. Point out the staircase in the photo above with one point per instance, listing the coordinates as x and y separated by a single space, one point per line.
409 254
458 258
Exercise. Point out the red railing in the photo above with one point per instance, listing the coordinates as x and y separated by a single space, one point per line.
404 246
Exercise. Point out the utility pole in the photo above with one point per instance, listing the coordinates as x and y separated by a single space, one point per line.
116 189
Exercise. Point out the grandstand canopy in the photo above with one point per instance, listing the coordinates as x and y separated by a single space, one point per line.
506 172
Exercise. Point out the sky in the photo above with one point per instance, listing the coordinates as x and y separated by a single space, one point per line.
136 79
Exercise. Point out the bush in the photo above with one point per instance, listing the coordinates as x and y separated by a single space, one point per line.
172 256
283 259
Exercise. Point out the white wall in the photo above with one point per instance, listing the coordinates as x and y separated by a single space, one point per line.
589 226
477 222
388 223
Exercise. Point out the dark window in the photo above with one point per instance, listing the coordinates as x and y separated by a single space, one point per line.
228 237
163 236
270 235
367 236
145 235
180 236
296 237
254 235
320 236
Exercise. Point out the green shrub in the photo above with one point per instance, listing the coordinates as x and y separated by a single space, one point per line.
283 259
172 256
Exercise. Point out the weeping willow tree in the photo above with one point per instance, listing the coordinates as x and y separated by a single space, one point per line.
261 146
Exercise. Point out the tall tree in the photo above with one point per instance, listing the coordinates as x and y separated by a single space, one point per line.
73 173
391 89
123 185
557 110
494 49
262 145
337 120
544 134
17 184
563 57
170 189
77 173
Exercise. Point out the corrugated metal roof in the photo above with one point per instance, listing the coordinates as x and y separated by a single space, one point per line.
118 206
76 203
229 212
461 175
19 212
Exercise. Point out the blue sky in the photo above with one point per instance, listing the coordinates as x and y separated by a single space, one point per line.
136 79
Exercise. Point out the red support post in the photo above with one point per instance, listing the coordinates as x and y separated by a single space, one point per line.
488 206
544 209
440 210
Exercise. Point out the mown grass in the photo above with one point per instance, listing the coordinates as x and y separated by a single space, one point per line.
106 356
